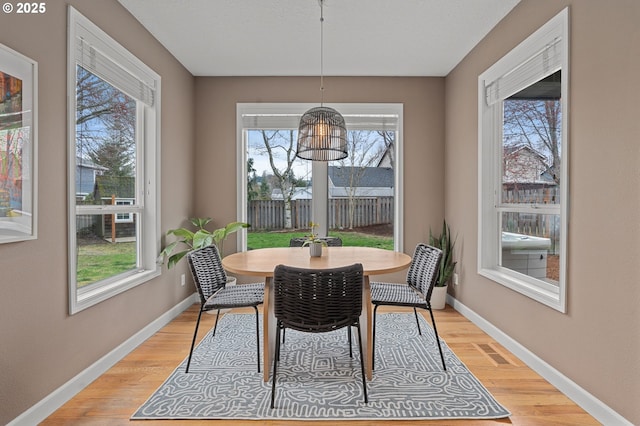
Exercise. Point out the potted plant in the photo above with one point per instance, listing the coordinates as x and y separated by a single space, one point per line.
199 238
447 265
315 244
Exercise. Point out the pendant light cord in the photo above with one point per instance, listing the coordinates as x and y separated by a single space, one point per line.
321 52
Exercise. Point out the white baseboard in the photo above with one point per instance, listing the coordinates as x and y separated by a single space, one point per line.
584 399
64 393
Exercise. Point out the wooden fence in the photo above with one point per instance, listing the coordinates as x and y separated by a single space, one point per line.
531 195
538 225
101 226
269 214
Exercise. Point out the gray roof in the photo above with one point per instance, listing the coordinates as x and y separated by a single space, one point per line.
87 163
372 177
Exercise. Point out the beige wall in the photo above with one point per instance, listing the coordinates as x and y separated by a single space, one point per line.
41 346
596 344
423 100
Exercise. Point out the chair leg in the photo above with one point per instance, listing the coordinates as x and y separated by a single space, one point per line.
435 330
257 336
215 327
193 342
284 332
417 322
373 341
349 338
276 358
364 377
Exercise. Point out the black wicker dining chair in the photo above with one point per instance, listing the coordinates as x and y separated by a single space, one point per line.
331 241
415 293
317 301
211 282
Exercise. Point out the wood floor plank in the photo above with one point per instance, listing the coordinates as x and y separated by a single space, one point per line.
113 397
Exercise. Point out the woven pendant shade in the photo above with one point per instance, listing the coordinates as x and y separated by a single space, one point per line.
322 135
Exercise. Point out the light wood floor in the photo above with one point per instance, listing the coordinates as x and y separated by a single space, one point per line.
112 398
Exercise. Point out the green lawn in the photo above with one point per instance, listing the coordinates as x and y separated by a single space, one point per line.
256 240
103 260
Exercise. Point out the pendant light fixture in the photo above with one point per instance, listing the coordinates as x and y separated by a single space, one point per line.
322 134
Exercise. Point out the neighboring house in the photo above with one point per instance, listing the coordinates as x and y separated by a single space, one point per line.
121 191
86 173
90 181
525 168
366 182
526 179
299 193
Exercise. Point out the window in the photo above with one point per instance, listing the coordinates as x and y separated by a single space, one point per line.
113 166
523 166
282 192
124 217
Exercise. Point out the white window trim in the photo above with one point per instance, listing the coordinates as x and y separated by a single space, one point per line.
489 168
298 109
148 189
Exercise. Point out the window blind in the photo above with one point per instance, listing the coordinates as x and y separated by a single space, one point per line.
96 57
291 121
540 65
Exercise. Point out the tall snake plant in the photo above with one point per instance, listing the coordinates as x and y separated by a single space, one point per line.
444 243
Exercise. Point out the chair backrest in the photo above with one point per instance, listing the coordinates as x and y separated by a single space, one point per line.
207 271
296 242
331 241
318 300
423 271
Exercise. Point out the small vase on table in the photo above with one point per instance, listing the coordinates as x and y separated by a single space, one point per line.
315 249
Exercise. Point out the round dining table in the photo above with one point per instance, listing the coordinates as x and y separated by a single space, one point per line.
262 262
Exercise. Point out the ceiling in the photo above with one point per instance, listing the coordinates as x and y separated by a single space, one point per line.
282 37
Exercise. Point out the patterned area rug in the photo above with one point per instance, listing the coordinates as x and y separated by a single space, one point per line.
318 381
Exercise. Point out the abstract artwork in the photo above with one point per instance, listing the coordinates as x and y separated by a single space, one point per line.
18 76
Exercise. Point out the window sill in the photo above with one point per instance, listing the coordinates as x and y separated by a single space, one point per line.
90 297
533 288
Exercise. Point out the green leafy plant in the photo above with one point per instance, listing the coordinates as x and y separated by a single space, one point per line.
312 237
199 238
444 243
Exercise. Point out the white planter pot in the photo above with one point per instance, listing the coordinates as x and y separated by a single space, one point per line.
438 297
315 249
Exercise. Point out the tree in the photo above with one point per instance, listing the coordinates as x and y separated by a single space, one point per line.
111 155
105 125
252 180
538 125
386 149
365 149
280 147
264 187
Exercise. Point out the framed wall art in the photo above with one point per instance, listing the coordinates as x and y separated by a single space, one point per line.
18 146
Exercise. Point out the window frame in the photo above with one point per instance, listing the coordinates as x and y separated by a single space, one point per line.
319 168
124 217
490 122
147 209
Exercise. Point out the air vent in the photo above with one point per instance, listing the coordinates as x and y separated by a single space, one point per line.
496 357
